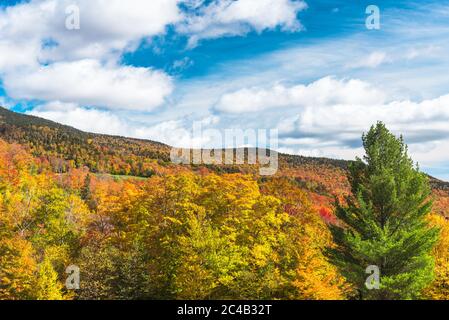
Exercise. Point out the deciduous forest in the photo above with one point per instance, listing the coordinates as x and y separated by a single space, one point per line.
138 227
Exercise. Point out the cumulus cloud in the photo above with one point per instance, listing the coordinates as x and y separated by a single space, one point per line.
41 59
335 130
88 82
326 91
107 28
89 120
420 121
231 18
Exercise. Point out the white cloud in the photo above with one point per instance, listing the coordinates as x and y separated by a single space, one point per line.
372 60
88 82
17 54
89 120
172 132
429 51
233 18
326 91
419 122
181 64
335 130
107 28
41 59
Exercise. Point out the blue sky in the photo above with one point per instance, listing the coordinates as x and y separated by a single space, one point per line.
308 68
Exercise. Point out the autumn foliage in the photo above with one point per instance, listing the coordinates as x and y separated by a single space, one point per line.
172 236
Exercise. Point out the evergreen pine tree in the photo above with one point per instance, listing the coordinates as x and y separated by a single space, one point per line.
384 221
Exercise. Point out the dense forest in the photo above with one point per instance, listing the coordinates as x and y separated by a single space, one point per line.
139 227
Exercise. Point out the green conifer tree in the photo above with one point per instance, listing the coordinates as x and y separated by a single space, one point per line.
384 221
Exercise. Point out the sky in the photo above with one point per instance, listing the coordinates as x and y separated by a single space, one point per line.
309 68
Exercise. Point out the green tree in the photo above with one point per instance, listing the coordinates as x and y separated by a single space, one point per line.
384 221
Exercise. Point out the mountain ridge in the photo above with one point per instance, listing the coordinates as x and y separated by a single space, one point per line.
21 121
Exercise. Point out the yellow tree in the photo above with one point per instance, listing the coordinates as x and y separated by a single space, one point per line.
316 278
439 289
47 285
17 269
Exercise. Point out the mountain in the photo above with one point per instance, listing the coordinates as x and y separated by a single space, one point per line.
100 152
64 147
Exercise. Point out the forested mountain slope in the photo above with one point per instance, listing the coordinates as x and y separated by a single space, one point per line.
100 153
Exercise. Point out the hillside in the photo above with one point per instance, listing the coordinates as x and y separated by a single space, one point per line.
105 153
100 153
64 147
